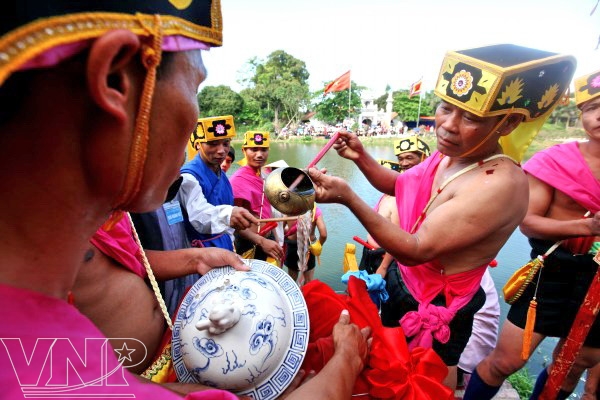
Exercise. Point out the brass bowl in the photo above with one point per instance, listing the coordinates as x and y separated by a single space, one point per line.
296 201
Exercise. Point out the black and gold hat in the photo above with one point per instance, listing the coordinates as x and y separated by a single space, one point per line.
504 79
208 130
28 28
213 128
411 144
587 87
256 139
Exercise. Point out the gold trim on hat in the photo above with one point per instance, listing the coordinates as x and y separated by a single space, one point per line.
28 41
500 76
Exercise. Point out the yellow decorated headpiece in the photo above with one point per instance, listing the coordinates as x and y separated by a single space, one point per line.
213 128
411 144
256 139
587 87
505 79
208 130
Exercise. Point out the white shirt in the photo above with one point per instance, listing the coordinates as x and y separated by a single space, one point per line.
203 216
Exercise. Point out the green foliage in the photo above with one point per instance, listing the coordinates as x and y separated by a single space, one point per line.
522 382
565 115
408 109
219 100
333 107
279 89
252 114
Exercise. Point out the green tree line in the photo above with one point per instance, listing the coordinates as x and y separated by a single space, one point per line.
276 95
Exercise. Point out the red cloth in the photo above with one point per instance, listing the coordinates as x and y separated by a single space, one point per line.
339 84
392 372
424 281
118 243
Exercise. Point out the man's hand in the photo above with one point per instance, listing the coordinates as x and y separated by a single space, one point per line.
330 189
596 224
349 146
351 341
241 219
300 379
205 259
272 248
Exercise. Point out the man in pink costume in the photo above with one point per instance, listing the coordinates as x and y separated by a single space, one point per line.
112 85
564 185
470 195
248 184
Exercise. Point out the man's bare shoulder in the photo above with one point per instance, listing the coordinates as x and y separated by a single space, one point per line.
497 185
386 206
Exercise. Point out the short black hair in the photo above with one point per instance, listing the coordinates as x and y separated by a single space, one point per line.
231 153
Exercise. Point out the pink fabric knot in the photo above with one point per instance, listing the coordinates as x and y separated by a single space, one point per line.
427 323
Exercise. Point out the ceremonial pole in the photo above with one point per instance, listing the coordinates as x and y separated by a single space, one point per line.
349 93
579 330
419 111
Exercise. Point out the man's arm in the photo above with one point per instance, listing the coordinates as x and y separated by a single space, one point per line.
270 247
336 379
203 216
207 218
350 147
177 263
470 217
537 224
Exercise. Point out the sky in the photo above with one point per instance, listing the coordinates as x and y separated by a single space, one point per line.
394 42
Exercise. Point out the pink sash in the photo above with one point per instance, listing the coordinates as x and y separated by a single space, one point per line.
425 282
564 168
119 244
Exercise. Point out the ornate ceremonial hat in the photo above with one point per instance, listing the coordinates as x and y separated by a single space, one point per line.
504 79
411 144
41 34
31 27
213 128
587 87
256 139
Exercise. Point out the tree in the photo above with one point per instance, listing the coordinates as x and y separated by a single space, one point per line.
219 100
280 85
253 115
408 108
332 108
565 113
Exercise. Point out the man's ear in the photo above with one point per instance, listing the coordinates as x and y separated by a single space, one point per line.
511 123
109 71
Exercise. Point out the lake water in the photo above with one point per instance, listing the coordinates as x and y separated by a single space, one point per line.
342 225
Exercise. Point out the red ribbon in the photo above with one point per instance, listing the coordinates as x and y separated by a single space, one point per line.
392 372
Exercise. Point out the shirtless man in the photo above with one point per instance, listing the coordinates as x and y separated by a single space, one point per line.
111 286
470 196
563 186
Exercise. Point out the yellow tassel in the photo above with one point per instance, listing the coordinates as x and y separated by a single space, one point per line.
528 332
249 254
350 258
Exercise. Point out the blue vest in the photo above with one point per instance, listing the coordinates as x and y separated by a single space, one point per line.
217 191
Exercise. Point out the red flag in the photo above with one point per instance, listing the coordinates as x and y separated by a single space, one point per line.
341 83
415 88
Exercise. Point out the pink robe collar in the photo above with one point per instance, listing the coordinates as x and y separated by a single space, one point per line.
119 244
